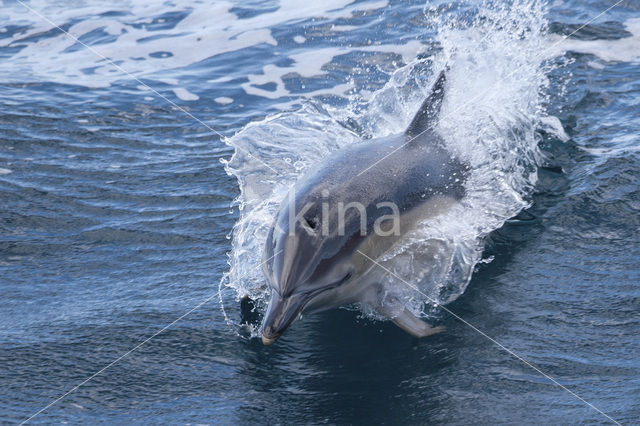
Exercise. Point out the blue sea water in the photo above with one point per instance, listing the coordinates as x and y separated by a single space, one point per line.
122 209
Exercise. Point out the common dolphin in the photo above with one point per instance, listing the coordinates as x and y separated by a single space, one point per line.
359 201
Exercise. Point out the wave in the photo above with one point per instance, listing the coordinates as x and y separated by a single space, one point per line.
160 42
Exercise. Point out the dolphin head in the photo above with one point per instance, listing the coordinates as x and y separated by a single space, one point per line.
305 256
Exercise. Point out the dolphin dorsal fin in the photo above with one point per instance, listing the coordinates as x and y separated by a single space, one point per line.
427 115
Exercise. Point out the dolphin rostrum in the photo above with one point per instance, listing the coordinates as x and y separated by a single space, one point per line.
359 201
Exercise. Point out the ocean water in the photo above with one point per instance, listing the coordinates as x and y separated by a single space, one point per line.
145 147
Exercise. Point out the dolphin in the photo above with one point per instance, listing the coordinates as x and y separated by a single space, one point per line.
352 208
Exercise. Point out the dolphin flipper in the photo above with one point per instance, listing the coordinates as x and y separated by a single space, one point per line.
403 318
427 115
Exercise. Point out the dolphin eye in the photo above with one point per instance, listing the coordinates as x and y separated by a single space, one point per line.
346 278
312 222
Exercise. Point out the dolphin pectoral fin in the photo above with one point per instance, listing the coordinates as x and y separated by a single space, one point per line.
415 326
427 115
407 321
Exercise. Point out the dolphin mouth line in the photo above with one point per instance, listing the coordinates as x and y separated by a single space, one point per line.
270 338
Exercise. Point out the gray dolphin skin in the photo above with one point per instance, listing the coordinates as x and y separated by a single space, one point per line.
315 261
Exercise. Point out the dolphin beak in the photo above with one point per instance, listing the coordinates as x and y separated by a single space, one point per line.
281 313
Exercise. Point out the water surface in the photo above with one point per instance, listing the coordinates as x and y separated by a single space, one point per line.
116 212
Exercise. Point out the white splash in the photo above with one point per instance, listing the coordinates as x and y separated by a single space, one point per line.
493 106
